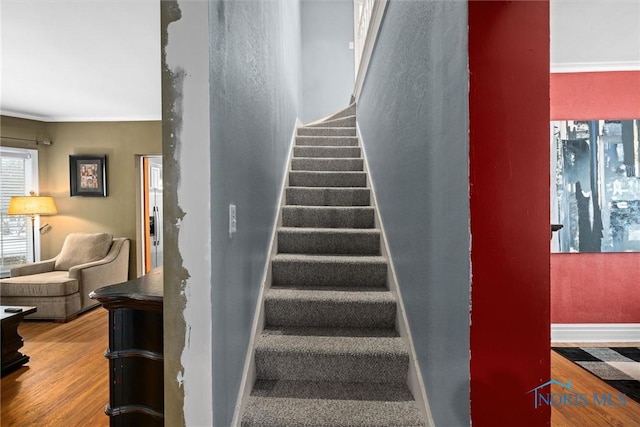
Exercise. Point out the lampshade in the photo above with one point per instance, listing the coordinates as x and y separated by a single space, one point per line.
32 205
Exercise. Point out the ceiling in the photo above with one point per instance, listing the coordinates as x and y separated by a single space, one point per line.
99 60
80 60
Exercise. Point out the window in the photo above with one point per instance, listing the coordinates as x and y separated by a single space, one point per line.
18 176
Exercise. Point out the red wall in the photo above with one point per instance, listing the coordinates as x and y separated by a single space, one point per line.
604 95
595 288
509 188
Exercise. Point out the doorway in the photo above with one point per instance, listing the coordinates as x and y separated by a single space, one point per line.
152 212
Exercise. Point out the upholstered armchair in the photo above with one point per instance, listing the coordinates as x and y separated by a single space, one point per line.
60 287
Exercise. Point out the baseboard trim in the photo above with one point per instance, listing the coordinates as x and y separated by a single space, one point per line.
414 380
249 371
595 332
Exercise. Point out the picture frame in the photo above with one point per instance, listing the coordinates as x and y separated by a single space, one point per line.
88 175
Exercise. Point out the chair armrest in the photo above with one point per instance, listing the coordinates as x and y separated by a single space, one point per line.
113 268
77 269
33 268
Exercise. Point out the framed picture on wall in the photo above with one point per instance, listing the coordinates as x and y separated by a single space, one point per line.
88 175
595 192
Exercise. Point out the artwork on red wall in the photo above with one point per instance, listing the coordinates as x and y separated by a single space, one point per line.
595 194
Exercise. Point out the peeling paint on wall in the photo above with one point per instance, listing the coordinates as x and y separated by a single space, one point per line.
187 260
174 300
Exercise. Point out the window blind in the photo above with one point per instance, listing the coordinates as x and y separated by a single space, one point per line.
15 243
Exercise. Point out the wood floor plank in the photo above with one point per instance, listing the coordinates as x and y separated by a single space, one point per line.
66 382
584 382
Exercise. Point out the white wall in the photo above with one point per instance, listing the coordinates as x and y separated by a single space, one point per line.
327 61
601 35
187 225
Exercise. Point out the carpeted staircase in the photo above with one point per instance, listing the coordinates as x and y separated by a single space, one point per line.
329 354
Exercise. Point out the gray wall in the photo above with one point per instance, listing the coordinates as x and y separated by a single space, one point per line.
254 96
327 61
413 115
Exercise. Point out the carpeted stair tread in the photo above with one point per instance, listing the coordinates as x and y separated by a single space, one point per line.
322 259
328 216
328 270
362 241
315 331
327 196
327 179
332 346
348 121
340 309
335 295
331 358
331 404
392 391
326 164
324 151
328 141
326 131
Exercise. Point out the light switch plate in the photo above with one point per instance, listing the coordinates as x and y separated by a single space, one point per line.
232 220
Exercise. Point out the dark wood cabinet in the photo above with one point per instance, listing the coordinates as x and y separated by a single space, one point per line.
136 378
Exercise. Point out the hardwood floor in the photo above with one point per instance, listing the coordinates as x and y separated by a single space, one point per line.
591 415
66 382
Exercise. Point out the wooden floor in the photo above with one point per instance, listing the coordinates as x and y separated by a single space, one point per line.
591 415
66 381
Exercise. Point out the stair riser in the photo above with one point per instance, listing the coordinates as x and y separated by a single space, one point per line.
322 367
333 141
310 273
327 164
328 196
325 243
327 179
319 131
343 122
339 152
349 111
300 313
328 404
327 218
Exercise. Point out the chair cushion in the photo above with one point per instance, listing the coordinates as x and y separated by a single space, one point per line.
80 248
51 283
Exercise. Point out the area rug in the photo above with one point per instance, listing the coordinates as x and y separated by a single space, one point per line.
617 366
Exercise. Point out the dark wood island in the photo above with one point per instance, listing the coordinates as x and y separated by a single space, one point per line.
136 377
11 339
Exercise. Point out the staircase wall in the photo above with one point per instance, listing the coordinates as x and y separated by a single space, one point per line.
413 118
254 98
327 61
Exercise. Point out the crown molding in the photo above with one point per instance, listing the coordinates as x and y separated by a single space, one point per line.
106 118
591 67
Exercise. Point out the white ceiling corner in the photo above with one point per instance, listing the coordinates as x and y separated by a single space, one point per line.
74 60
